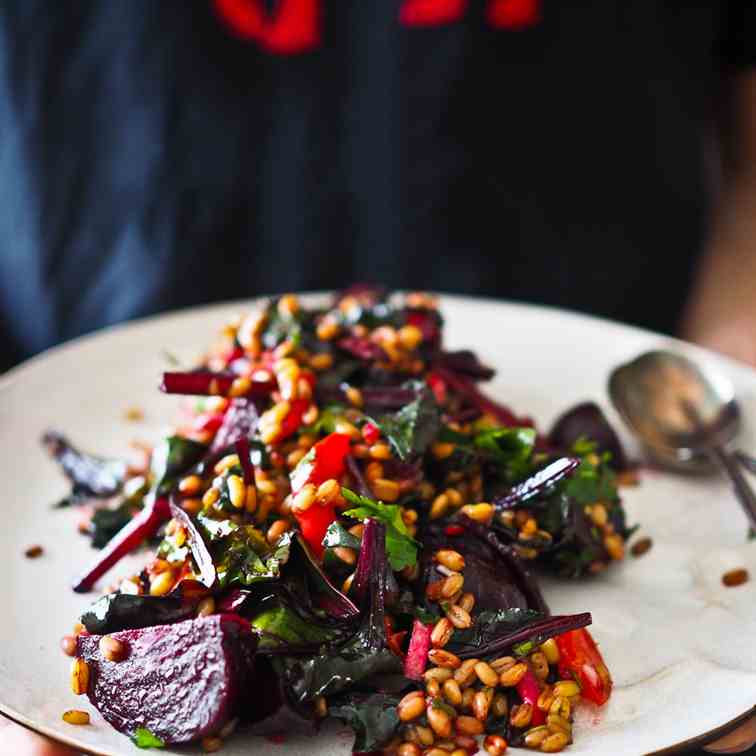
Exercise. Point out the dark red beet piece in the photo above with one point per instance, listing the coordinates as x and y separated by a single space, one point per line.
588 421
182 682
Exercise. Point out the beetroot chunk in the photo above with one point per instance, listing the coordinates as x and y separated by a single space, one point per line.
182 682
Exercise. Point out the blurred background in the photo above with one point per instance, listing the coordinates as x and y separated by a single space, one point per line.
590 155
599 156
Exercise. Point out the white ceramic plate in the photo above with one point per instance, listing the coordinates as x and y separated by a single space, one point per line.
680 645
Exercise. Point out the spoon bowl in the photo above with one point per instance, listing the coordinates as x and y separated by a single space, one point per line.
684 415
654 394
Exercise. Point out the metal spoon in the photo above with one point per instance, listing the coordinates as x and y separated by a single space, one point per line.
685 416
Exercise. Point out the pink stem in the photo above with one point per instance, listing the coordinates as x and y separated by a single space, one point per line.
209 383
417 653
142 527
529 691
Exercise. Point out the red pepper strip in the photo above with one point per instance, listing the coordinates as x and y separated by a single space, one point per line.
293 419
297 408
209 383
454 530
394 640
417 653
325 460
529 691
142 527
313 523
580 658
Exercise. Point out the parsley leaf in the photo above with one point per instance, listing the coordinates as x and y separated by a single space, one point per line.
143 738
401 547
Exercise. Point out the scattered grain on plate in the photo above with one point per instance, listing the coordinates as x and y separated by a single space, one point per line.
76 717
735 577
628 478
133 414
33 552
641 546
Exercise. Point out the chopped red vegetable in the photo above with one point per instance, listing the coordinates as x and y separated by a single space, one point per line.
417 653
580 658
371 433
313 523
324 461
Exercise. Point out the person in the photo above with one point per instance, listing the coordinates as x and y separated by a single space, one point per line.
598 156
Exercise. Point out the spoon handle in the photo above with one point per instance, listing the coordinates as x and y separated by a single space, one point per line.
746 460
743 491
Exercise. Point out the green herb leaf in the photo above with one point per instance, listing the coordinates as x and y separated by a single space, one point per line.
414 427
510 448
143 738
283 624
106 523
591 483
338 535
244 557
401 547
215 530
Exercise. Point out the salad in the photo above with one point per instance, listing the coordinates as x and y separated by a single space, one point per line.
346 526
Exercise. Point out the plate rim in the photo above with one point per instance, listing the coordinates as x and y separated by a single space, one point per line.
11 376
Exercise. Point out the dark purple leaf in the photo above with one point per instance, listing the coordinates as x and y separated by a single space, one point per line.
359 479
587 421
466 388
372 716
387 397
239 422
269 708
537 631
366 653
494 572
466 363
538 483
122 611
203 559
90 475
362 348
